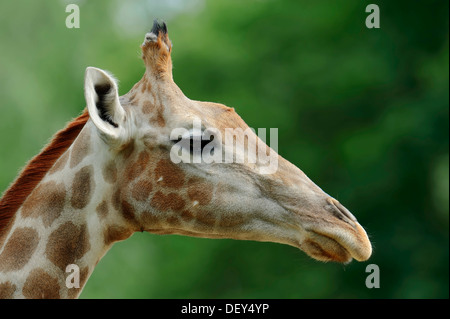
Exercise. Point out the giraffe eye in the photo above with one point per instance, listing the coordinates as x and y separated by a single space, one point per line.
194 142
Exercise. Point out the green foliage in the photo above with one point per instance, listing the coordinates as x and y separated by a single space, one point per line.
363 112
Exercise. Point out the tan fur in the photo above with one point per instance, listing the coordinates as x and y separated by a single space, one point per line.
81 149
82 187
51 197
7 290
110 172
169 202
23 240
142 189
40 285
147 106
60 163
116 233
199 191
171 174
67 244
102 209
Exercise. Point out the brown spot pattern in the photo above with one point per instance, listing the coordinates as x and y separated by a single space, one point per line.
138 167
7 290
19 249
187 215
150 220
147 107
40 285
82 187
67 244
127 150
205 218
157 111
172 175
102 209
173 221
116 233
231 220
35 170
128 213
81 148
51 198
141 190
159 117
116 199
163 203
200 191
109 172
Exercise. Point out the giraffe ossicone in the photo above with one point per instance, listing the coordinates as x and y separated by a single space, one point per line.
109 174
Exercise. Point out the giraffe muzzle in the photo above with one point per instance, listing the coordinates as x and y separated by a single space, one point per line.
338 237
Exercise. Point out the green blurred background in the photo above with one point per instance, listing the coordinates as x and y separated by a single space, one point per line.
363 112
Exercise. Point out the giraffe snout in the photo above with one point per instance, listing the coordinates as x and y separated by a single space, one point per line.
337 235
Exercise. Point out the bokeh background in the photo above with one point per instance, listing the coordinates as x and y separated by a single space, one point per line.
363 112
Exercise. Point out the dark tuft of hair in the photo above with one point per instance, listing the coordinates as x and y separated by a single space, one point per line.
159 26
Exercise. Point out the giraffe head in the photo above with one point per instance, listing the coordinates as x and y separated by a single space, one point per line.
155 189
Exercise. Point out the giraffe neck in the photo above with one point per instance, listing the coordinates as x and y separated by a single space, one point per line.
66 221
78 209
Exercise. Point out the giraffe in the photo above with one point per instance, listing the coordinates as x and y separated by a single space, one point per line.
109 174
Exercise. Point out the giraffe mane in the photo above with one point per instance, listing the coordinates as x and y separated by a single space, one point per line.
36 169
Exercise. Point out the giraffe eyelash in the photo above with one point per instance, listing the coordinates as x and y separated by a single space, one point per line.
191 138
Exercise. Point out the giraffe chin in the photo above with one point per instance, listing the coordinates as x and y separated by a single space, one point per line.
325 249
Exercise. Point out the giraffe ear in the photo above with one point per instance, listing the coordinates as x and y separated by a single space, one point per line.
102 98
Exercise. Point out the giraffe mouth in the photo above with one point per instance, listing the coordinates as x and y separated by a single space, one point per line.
339 245
325 248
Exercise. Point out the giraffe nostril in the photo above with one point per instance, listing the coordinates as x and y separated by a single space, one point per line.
339 211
